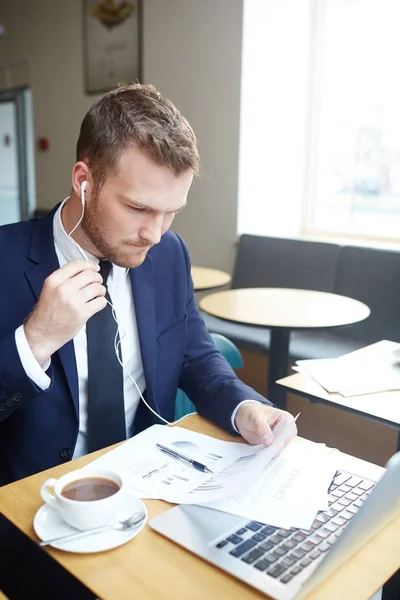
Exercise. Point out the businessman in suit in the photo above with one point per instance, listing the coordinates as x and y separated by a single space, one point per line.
71 379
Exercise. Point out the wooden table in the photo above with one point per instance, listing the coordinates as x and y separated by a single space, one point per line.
282 310
205 278
152 567
383 407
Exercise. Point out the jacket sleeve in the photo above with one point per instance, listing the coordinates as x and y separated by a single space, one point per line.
206 376
16 388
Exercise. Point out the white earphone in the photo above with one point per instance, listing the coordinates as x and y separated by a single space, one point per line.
83 189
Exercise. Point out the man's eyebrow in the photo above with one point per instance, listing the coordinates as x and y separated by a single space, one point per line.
145 207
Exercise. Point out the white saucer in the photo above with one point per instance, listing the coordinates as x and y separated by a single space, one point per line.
48 524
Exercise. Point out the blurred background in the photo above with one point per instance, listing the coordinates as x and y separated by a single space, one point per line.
294 102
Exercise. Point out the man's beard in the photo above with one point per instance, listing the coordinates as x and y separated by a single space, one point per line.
96 231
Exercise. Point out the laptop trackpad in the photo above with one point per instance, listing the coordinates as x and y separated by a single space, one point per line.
205 523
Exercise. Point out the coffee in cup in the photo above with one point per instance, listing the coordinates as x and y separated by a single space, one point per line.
89 489
85 499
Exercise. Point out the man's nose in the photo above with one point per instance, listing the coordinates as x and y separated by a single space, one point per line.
152 229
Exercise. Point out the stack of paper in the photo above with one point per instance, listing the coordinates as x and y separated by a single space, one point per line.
250 481
373 369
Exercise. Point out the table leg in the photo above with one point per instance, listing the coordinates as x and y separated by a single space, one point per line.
278 365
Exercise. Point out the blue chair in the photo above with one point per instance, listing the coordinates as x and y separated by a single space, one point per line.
183 405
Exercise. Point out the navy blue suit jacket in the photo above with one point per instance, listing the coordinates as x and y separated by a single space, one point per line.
39 429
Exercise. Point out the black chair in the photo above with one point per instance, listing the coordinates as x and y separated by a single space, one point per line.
391 589
276 262
373 277
285 263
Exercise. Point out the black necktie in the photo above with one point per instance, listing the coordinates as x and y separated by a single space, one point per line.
105 410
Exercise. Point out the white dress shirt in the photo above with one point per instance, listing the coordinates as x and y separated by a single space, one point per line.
120 290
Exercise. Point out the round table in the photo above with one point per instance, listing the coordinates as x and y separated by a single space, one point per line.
205 278
281 310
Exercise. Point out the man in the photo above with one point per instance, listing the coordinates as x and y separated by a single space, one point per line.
69 381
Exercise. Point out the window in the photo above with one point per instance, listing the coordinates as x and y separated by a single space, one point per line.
325 156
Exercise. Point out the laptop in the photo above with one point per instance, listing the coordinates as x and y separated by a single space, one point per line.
290 563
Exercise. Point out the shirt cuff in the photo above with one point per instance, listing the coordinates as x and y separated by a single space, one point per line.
33 369
233 417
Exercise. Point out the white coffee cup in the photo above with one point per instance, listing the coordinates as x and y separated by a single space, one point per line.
84 514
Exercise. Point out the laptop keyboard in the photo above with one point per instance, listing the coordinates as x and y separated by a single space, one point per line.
284 553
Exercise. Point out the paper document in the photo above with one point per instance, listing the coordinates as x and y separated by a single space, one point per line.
249 481
289 490
373 369
156 475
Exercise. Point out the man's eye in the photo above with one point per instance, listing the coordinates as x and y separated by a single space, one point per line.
136 208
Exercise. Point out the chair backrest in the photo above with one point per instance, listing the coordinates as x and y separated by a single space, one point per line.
280 262
373 277
183 405
228 349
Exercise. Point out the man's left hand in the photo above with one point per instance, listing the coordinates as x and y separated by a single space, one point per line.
256 421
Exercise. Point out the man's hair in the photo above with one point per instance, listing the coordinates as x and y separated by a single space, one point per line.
135 116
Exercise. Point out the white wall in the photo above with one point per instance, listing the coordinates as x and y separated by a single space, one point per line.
192 53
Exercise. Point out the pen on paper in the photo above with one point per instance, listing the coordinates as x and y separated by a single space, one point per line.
189 461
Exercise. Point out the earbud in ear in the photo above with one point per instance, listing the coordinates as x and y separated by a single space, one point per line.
83 188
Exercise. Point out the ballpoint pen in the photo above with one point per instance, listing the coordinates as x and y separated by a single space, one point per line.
190 461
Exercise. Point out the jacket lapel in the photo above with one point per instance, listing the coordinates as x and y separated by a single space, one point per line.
143 296
42 253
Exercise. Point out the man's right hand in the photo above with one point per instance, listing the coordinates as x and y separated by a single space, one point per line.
70 296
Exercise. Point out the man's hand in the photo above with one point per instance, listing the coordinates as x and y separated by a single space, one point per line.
70 296
256 421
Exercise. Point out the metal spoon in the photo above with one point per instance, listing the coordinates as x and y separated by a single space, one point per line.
131 523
